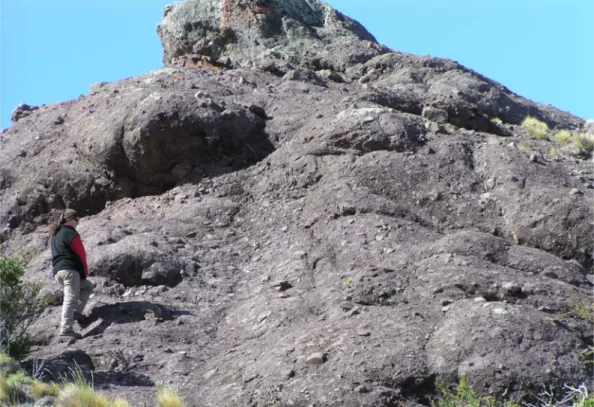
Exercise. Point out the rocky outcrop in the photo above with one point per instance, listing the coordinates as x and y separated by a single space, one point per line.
132 138
263 32
271 229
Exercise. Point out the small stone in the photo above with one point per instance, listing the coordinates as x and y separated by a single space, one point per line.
59 120
316 358
264 315
258 111
347 305
299 255
435 114
479 299
293 75
191 235
575 191
282 285
362 389
354 311
202 95
284 228
510 288
499 311
365 79
363 333
93 329
490 184
445 302
432 127
336 77
533 157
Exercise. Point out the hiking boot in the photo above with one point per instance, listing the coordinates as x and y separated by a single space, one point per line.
70 334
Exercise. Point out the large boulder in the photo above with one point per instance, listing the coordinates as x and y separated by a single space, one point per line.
263 32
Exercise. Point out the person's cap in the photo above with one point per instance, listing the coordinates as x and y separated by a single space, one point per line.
68 215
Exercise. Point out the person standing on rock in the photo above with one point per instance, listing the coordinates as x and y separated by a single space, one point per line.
70 270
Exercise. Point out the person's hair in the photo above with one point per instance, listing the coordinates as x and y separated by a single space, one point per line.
67 215
54 227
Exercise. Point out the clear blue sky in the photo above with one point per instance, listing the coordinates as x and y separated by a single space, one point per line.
53 50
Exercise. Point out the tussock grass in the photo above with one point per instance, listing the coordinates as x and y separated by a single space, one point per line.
553 152
5 390
584 142
120 403
497 120
40 389
536 128
169 398
563 136
524 148
79 395
11 390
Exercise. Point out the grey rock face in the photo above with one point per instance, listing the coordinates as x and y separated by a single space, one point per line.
140 136
273 234
22 110
63 365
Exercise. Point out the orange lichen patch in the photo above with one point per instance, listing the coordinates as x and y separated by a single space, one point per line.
239 15
201 61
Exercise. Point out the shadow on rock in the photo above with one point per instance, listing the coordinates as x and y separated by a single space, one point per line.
63 366
104 379
102 316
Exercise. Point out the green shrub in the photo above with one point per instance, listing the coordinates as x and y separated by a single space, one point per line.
584 142
464 396
536 128
20 304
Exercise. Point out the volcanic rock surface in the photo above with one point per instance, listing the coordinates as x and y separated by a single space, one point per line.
290 213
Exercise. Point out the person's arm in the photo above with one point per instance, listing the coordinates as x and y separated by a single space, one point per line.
77 247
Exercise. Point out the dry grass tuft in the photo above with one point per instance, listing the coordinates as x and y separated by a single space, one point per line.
169 398
536 128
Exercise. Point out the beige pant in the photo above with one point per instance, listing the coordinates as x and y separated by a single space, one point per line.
76 295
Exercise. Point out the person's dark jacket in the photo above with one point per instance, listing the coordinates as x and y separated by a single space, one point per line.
68 252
